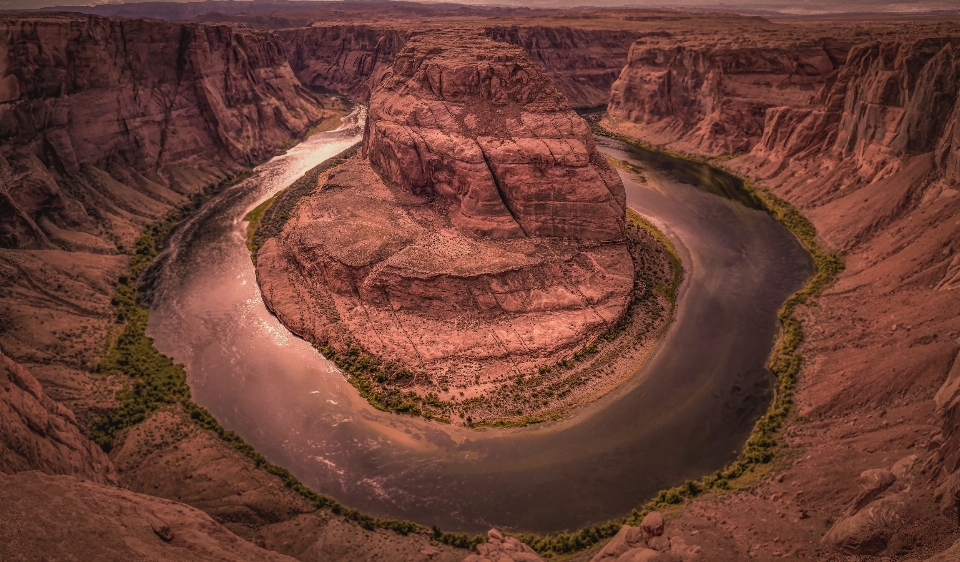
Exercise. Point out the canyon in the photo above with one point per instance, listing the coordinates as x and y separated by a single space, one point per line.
449 250
107 125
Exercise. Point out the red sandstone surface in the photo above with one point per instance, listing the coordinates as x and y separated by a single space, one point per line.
480 235
868 149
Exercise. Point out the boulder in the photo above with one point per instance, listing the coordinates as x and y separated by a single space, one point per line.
652 525
868 531
503 549
873 482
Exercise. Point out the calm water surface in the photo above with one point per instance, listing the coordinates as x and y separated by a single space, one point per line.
684 413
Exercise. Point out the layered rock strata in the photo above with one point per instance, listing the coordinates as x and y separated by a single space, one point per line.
482 235
713 98
871 160
352 58
583 63
105 125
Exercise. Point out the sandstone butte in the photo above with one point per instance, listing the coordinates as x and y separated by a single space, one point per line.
480 234
869 154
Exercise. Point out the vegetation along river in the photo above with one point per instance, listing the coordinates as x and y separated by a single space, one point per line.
685 413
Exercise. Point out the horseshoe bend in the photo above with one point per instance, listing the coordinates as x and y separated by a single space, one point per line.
478 239
464 282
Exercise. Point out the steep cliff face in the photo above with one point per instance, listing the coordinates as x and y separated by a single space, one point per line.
353 58
483 127
481 234
107 124
583 63
713 98
889 102
349 59
873 162
39 433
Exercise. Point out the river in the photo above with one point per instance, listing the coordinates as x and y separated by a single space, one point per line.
684 413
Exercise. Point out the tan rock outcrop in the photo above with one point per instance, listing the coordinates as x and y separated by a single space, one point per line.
475 122
646 543
39 433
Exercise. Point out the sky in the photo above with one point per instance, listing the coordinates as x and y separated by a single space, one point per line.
783 6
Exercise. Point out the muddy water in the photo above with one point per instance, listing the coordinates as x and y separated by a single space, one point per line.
684 413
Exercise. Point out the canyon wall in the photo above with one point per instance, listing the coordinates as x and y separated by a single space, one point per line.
353 58
105 127
872 161
108 124
711 95
349 59
583 63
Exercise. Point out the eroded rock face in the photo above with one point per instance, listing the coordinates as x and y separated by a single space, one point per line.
482 235
476 123
889 102
105 125
713 98
39 433
583 63
350 59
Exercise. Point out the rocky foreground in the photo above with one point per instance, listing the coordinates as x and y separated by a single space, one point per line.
481 235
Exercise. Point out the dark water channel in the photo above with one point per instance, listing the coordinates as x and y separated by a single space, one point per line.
685 412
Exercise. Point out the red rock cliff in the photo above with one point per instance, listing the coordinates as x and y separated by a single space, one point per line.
583 63
349 59
711 96
483 233
107 124
353 58
873 161
475 122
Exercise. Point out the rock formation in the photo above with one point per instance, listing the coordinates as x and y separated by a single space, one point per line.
106 125
712 98
482 235
106 523
353 58
350 59
647 543
38 433
503 549
583 63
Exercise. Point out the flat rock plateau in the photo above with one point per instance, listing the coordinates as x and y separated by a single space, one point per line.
112 120
478 240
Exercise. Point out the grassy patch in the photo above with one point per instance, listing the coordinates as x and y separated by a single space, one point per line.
253 222
764 446
268 219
